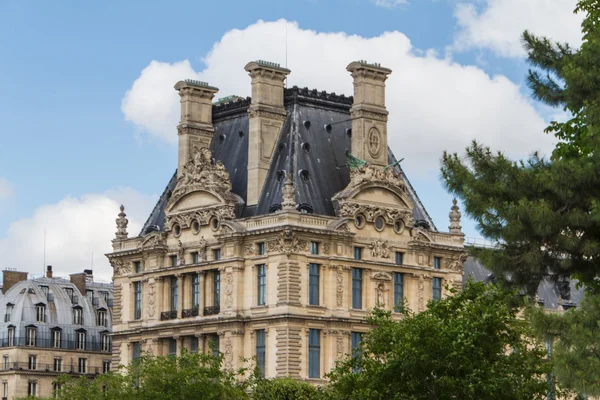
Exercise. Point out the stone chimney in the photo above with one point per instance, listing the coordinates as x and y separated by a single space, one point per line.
195 128
49 271
79 281
266 115
11 278
368 113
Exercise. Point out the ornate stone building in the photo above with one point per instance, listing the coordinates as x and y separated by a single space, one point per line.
51 326
287 220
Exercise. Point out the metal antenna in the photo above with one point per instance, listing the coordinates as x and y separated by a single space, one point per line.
44 266
286 50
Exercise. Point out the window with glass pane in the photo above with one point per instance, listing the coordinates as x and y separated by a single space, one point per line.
83 365
314 353
195 258
11 336
44 291
104 296
174 293
217 254
173 259
31 335
172 347
195 291
399 257
9 309
136 351
193 344
77 316
32 362
81 338
40 313
137 266
261 271
356 339
32 388
57 364
105 341
358 253
56 338
137 300
437 288
89 294
105 366
313 284
217 288
314 247
5 359
437 262
215 343
5 389
260 248
261 351
398 291
356 288
102 318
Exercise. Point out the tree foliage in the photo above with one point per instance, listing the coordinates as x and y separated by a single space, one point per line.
467 346
286 389
544 214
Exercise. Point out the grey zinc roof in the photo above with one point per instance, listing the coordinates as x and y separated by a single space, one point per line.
548 291
314 138
25 295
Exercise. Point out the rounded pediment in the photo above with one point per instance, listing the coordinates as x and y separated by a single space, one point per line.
193 199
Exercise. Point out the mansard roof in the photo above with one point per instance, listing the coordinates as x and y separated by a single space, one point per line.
312 146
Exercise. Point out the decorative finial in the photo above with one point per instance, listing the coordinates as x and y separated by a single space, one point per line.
289 198
455 214
122 222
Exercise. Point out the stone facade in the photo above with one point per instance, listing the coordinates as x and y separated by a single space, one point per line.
290 284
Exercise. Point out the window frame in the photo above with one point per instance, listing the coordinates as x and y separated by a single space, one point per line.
437 262
314 353
358 253
399 257
80 339
56 337
261 284
436 288
216 288
58 364
30 336
260 248
77 315
398 291
314 248
32 388
195 291
40 312
137 300
32 362
261 351
357 288
82 365
174 293
314 284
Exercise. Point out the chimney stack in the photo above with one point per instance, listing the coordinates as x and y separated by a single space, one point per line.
49 271
195 128
266 115
368 113
79 281
11 278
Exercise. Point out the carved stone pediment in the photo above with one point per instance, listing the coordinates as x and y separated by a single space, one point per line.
203 216
382 276
420 237
153 240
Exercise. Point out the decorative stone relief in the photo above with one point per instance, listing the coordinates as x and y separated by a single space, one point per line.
380 248
455 263
374 142
289 195
326 248
201 171
249 249
203 216
122 222
151 299
287 242
228 289
180 253
391 215
339 347
120 267
420 291
382 276
372 174
455 215
228 354
339 289
202 248
381 290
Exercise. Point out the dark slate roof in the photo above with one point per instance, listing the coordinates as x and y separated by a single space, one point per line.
312 145
548 291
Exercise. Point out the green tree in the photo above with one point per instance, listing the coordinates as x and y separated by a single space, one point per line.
470 345
544 214
286 389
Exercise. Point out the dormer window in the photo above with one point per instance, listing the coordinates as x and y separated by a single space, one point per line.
77 316
9 310
105 341
56 338
104 296
44 290
81 336
89 294
31 332
102 317
11 336
40 312
69 292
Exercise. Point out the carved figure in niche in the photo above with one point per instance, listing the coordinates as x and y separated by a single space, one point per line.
380 248
380 295
202 250
180 253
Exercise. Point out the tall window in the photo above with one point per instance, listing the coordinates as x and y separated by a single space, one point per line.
217 288
195 258
437 262
83 365
57 364
81 337
356 288
136 351
195 291
437 288
56 338
356 339
77 316
5 362
89 294
358 253
399 257
172 347
173 259
260 248
174 293
5 389
32 388
215 345
9 310
105 341
313 284
102 320
40 311
105 296
137 267
32 362
261 351
137 300
216 254
105 366
314 247
314 353
56 388
398 291
262 284
31 335
11 336
193 344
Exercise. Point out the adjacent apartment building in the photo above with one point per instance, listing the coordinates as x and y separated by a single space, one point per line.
287 219
51 326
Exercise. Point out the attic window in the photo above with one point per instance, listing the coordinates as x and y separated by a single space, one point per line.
280 175
303 174
221 138
306 124
281 147
306 147
349 132
274 208
305 208
241 133
328 128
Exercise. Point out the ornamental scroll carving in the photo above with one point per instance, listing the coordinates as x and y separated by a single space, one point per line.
201 170
228 354
349 209
203 216
151 299
287 242
228 289
380 248
455 263
339 289
372 174
339 346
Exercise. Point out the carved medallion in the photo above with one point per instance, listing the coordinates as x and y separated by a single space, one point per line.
374 142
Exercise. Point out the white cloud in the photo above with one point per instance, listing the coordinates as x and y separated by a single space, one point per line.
389 3
499 24
6 189
75 228
435 104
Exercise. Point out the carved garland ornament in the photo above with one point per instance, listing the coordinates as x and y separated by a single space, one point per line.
287 242
339 287
151 299
203 216
228 289
391 215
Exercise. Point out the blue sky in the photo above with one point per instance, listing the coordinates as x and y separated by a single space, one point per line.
69 150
